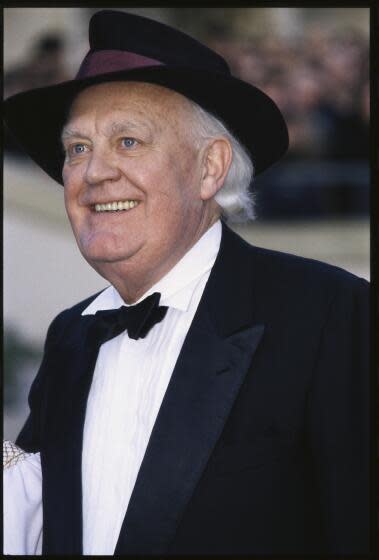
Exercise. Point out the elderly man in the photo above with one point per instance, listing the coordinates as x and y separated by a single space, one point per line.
213 399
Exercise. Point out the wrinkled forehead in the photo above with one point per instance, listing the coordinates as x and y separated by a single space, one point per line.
152 100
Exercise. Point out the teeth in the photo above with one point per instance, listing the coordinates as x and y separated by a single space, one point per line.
113 206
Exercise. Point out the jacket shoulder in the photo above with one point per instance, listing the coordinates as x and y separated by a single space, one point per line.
290 265
285 266
286 281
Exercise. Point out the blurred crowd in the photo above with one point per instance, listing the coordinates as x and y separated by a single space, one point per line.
44 65
320 81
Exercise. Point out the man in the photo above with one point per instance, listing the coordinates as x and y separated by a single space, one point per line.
223 410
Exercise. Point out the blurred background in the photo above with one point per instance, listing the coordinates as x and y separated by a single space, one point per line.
314 62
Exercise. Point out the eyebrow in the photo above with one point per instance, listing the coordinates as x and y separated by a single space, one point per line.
119 127
70 132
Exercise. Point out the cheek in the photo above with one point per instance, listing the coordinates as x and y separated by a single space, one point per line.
166 208
69 199
168 220
68 176
71 182
73 210
172 206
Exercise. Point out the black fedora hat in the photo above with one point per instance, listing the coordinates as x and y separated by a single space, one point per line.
127 47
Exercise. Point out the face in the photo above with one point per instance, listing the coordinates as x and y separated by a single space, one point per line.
132 178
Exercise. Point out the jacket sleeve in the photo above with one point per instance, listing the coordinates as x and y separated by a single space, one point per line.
338 420
29 438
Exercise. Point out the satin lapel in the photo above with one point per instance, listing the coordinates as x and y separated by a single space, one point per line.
215 357
62 455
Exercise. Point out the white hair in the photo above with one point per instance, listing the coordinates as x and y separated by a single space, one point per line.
235 198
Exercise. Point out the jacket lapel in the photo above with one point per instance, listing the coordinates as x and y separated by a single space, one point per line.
211 367
61 456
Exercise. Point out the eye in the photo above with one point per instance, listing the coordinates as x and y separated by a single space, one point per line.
129 142
77 149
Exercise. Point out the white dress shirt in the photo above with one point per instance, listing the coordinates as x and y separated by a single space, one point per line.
129 383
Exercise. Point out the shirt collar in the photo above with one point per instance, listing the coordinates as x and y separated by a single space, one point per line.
178 285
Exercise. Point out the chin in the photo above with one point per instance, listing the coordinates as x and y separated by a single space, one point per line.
105 256
107 253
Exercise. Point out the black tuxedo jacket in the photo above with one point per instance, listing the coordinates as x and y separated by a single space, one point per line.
261 443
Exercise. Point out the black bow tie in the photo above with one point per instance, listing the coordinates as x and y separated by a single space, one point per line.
136 319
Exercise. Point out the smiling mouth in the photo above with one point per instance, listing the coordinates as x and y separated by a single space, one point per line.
116 206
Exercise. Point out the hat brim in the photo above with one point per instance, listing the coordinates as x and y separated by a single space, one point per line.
36 117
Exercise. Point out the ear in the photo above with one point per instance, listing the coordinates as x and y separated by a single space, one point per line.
216 164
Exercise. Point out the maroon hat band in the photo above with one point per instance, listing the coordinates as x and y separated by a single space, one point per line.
102 62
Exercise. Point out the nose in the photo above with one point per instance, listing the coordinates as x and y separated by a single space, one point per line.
101 167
